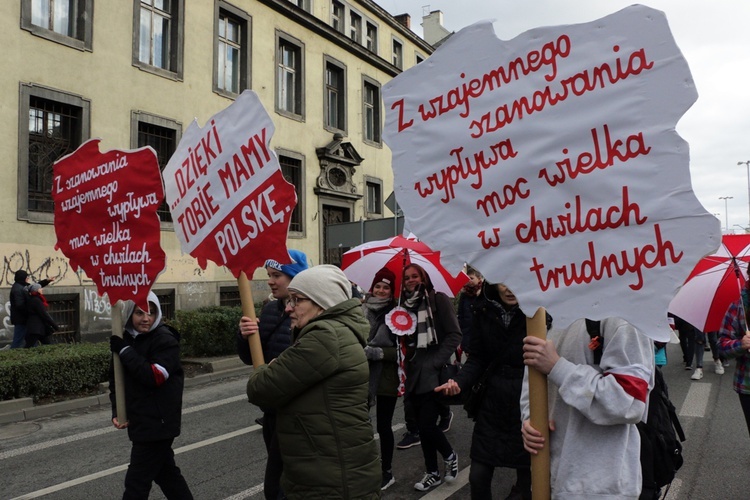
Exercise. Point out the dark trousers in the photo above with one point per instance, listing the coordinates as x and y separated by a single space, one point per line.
384 423
31 340
427 408
410 417
274 465
480 481
745 403
19 336
154 462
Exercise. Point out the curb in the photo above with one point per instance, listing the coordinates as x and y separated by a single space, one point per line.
19 410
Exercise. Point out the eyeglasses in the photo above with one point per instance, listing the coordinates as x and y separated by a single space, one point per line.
293 301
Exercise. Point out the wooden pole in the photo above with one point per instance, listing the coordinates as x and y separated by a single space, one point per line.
539 413
117 329
248 309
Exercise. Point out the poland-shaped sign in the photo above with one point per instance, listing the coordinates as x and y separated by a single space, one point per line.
229 200
551 163
106 221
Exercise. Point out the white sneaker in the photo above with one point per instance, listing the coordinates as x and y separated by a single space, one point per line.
719 367
698 374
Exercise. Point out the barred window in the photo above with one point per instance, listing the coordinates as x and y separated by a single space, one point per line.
164 142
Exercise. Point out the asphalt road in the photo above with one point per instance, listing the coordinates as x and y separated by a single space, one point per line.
79 455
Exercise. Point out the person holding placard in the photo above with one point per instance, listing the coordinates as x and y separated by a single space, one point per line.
499 327
318 387
428 349
154 379
593 408
275 330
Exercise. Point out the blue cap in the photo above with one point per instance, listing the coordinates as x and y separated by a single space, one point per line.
299 264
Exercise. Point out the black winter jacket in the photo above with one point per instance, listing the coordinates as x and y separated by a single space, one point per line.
18 298
496 440
38 322
154 410
275 333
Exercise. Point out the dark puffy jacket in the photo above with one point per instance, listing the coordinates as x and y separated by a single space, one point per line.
18 298
275 333
154 410
38 322
496 440
319 389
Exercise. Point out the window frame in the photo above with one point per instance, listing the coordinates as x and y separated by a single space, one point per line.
341 18
297 114
377 109
355 27
27 91
176 40
371 42
83 26
398 62
301 201
245 42
136 117
341 99
373 181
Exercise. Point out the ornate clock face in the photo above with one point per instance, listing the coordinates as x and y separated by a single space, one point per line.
336 177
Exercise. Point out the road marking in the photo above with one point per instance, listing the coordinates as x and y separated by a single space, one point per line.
98 432
120 468
696 401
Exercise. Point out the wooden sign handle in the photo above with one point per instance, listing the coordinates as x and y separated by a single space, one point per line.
248 309
539 413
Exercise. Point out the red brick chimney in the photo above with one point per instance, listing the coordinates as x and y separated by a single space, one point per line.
404 19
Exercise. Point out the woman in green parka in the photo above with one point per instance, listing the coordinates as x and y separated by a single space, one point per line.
319 387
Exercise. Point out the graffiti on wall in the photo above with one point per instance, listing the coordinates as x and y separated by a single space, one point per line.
55 267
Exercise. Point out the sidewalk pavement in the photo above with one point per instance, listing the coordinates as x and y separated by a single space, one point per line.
18 410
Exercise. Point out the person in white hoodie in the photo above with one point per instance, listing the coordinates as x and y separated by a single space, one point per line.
593 409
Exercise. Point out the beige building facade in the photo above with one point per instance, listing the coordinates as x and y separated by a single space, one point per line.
138 72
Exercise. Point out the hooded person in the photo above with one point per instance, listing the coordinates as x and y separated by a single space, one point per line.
39 323
274 326
318 387
153 384
18 313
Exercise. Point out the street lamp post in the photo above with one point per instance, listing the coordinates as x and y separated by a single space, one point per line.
726 210
747 164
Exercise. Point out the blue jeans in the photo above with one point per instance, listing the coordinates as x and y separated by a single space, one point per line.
19 334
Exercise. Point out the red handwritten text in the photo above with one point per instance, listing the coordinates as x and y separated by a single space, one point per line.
577 85
198 159
601 157
594 268
448 177
495 201
575 221
460 97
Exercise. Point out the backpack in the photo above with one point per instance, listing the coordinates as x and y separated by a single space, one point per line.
661 435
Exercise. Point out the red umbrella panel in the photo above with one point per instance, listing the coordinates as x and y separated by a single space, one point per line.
715 282
362 262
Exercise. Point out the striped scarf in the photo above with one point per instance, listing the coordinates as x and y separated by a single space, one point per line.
426 334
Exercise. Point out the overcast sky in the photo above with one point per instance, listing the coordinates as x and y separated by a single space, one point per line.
714 38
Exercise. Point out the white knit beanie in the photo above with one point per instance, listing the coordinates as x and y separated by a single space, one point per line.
326 285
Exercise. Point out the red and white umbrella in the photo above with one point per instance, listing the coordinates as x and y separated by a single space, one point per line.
715 282
362 262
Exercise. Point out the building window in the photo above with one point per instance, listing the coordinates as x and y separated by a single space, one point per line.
162 135
64 309
158 28
371 38
418 57
53 124
232 50
289 78
229 296
355 27
374 197
303 4
69 22
398 54
371 112
166 302
291 168
337 16
335 96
